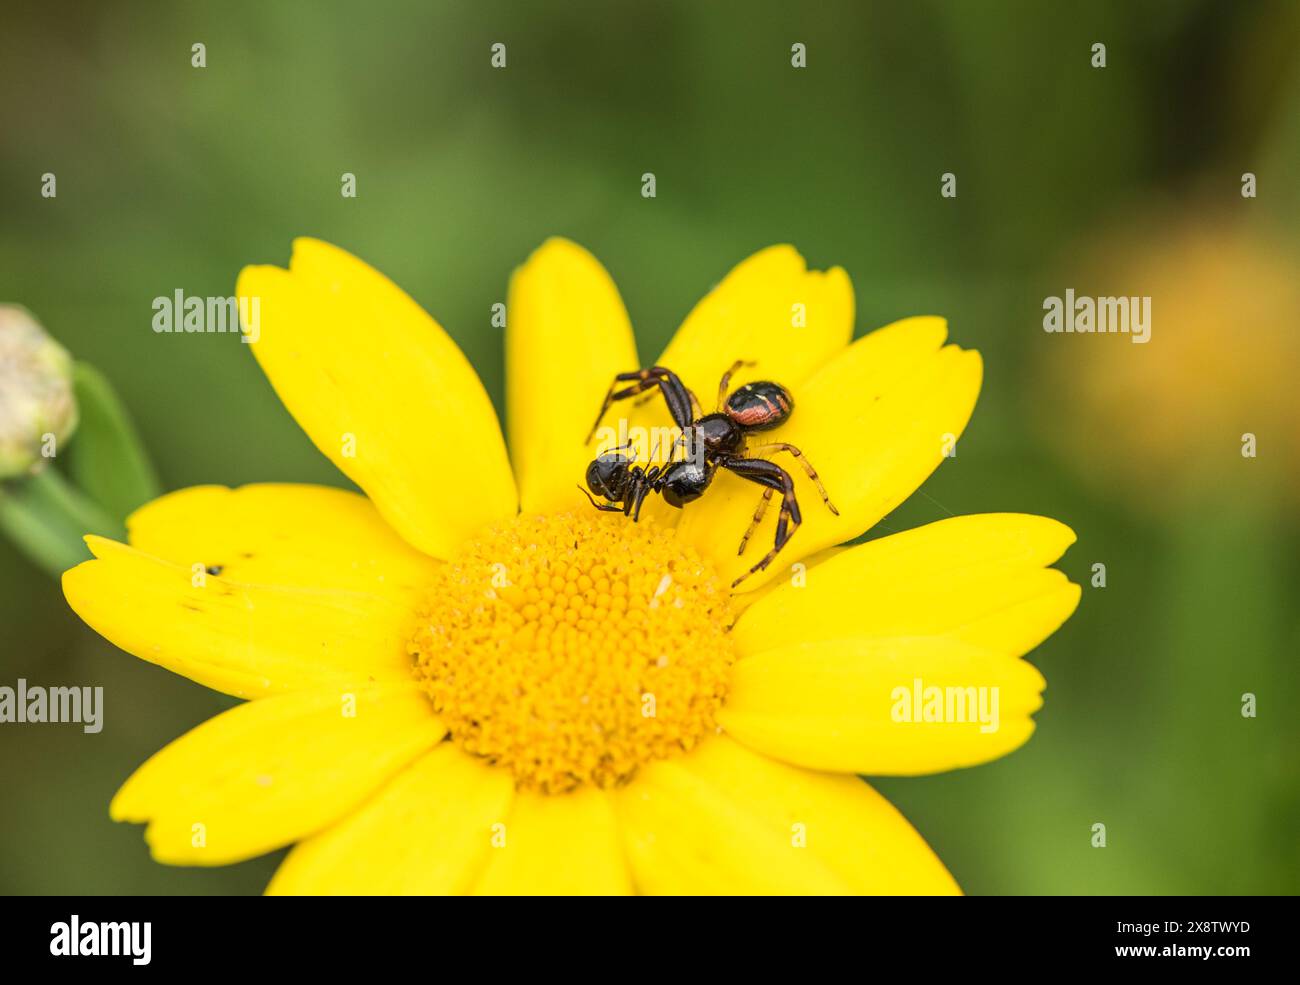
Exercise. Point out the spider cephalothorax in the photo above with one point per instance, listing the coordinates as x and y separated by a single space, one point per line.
713 441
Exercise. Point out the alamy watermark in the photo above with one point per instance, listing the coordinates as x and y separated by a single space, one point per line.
1126 315
129 939
951 705
193 314
25 704
664 443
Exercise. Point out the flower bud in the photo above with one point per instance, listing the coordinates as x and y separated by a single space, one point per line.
38 411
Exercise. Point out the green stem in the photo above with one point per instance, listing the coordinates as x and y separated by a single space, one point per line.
47 518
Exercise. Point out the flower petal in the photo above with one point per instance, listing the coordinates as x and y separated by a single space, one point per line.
428 831
383 391
771 310
281 534
725 820
745 600
559 846
979 578
875 422
860 706
267 773
567 336
246 640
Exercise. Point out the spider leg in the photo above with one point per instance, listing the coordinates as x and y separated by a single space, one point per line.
758 518
674 393
777 479
688 440
780 446
726 379
695 402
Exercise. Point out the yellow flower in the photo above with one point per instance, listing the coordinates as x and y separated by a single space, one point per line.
471 681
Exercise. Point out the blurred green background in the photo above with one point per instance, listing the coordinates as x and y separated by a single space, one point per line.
171 177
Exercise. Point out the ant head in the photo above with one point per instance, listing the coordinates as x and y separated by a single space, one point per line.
608 473
684 482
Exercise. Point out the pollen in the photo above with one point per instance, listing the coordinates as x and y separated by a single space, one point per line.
571 649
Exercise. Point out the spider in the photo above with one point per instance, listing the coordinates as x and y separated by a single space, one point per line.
721 437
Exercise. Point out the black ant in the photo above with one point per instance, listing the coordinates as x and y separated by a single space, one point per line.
757 406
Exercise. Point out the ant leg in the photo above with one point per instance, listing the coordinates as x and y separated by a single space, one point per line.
610 451
674 393
758 518
774 477
780 446
643 489
639 499
726 379
603 507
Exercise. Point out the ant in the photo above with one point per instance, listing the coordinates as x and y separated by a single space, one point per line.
758 406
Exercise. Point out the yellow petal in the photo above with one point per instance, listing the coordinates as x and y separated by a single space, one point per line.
867 706
979 578
725 820
745 600
429 831
770 309
567 336
874 422
383 391
246 640
267 773
281 534
558 846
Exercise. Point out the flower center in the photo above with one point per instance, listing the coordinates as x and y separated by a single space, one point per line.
573 648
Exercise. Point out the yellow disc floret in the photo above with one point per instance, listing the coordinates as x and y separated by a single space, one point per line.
571 649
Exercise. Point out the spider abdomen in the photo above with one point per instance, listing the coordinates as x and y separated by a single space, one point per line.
760 406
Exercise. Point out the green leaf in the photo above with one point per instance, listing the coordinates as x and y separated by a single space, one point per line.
107 459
